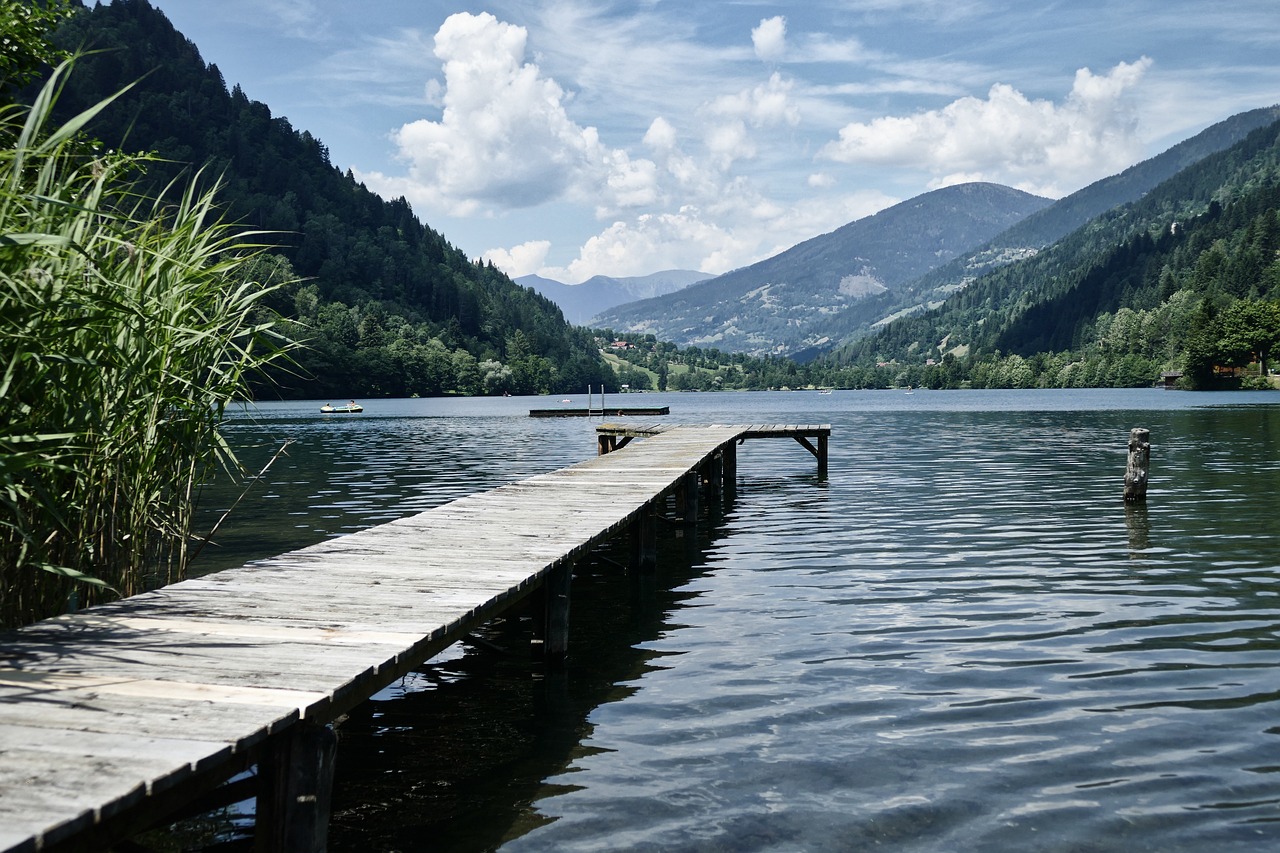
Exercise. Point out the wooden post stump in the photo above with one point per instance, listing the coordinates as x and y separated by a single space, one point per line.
1135 475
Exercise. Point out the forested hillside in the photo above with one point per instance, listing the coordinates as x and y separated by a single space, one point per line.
1050 224
388 306
1182 280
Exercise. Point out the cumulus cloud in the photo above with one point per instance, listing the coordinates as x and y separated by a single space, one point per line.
764 105
726 134
770 38
741 228
1007 137
525 259
504 138
684 239
661 136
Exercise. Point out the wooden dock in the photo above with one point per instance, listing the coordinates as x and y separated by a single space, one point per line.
606 412
116 718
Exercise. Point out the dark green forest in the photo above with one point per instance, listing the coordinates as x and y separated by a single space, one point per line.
386 305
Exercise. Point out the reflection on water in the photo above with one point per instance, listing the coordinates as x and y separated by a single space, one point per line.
963 639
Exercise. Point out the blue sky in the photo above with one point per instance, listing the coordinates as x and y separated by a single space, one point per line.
579 137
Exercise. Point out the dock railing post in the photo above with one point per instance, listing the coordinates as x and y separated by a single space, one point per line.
296 787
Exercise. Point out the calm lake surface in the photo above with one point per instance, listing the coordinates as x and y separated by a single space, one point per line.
961 640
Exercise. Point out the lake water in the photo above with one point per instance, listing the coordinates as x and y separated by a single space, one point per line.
961 640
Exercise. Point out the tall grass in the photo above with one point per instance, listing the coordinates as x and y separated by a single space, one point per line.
125 331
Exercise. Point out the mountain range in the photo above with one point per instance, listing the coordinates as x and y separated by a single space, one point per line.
1182 278
776 306
1045 227
785 305
582 302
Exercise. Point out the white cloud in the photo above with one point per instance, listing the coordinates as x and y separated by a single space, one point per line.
770 38
504 139
740 228
684 239
728 142
764 105
661 136
726 136
520 260
1009 138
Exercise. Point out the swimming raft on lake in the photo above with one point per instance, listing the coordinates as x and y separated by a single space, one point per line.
350 408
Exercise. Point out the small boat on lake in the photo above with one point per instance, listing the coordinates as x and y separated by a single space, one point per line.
350 408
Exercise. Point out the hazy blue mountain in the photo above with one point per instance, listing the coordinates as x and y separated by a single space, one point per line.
581 302
774 306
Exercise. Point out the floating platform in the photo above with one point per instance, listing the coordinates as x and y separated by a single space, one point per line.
114 719
606 412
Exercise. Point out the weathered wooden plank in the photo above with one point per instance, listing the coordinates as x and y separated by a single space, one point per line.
54 793
150 688
62 705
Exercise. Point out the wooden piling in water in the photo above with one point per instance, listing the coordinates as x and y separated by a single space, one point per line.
296 776
645 539
1135 475
729 454
555 641
689 494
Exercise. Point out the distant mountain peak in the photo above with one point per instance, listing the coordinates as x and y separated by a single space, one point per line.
777 305
581 302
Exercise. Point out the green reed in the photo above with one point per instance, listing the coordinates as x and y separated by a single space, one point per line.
126 328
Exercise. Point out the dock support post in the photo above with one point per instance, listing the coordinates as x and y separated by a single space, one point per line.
296 779
729 453
555 642
689 497
822 456
715 476
1135 475
645 538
